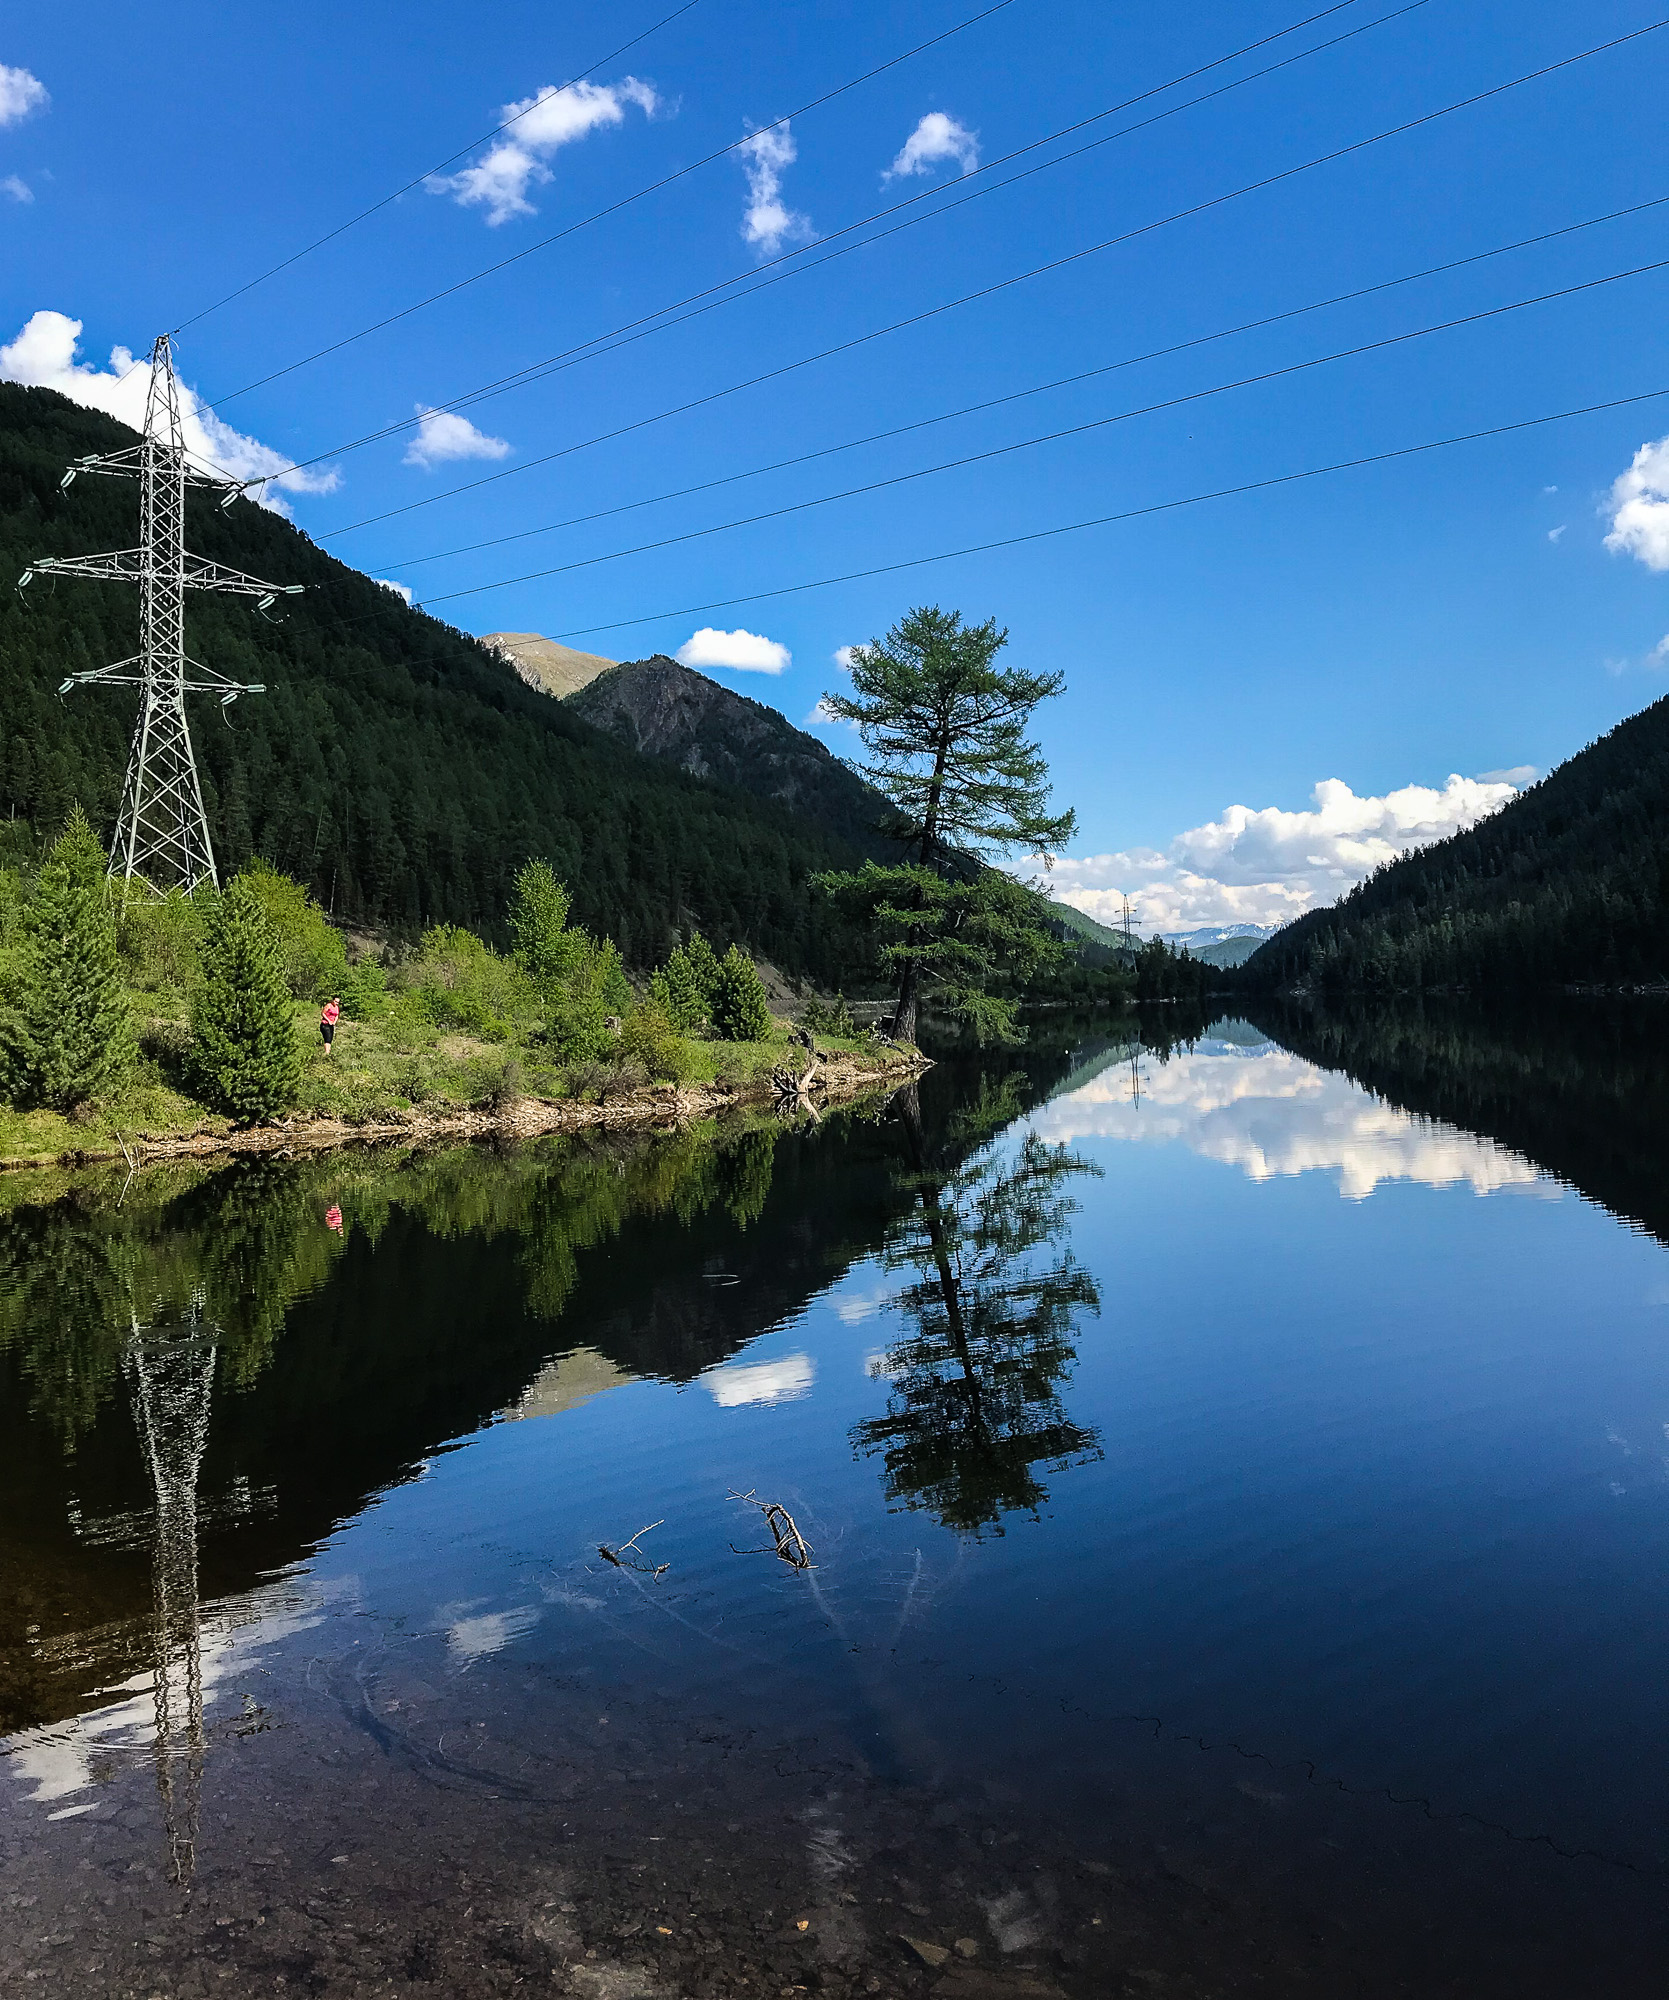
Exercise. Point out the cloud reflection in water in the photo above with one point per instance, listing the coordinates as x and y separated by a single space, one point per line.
1270 1113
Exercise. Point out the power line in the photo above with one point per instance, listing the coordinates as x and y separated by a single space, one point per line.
755 281
1055 437
626 201
1127 514
983 292
1018 395
365 214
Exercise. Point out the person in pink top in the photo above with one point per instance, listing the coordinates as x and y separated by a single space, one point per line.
327 1022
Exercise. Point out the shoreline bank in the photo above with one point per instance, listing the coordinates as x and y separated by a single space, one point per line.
837 1079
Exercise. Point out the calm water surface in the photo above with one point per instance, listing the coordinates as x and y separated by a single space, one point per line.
1236 1479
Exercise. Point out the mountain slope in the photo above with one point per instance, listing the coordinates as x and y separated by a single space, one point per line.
1568 883
670 711
395 764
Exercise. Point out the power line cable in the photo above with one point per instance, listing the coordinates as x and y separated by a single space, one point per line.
1017 395
1055 437
625 201
452 159
1126 514
755 281
969 298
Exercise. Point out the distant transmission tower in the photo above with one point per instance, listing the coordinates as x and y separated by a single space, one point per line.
173 1376
162 832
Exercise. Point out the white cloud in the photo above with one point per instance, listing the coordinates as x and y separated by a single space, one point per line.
551 118
749 652
1516 775
762 1381
842 657
1553 534
1639 507
19 190
43 357
1267 866
399 589
20 93
1273 1115
938 137
443 435
767 222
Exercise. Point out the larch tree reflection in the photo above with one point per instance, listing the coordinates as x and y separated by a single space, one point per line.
975 1415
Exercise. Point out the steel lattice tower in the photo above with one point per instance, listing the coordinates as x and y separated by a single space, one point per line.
162 832
173 1376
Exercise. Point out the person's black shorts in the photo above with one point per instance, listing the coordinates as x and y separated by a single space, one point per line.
328 1030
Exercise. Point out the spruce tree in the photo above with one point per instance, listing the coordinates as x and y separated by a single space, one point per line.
684 985
70 1037
244 1039
739 1010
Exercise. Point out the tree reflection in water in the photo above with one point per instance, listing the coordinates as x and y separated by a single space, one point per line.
975 1410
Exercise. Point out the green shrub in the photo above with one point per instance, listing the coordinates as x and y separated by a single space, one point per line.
244 1047
463 983
363 991
68 1036
161 939
311 953
826 1018
650 1038
740 1012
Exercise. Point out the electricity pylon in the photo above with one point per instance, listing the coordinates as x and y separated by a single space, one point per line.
162 832
173 1376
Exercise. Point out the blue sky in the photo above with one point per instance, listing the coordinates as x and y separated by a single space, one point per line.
1375 631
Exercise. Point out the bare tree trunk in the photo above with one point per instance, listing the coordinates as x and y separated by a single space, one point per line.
904 1014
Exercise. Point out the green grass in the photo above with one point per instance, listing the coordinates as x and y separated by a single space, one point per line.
380 1070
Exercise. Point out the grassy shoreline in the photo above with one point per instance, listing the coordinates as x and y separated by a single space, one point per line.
399 1077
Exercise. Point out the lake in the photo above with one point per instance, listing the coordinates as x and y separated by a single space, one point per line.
1179 1508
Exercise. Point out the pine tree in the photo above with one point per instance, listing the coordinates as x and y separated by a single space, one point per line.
244 1038
70 1038
945 729
740 1013
685 984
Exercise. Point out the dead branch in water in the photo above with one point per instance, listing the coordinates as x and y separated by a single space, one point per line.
790 1545
630 1556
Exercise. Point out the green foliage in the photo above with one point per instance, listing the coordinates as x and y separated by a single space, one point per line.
955 937
161 939
650 1036
551 952
67 1036
461 982
945 726
686 984
826 1018
740 1012
244 1045
311 953
363 990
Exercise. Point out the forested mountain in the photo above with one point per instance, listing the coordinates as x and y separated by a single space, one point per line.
1567 884
395 764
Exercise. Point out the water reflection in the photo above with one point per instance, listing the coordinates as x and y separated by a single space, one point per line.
974 1406
1242 1099
171 1370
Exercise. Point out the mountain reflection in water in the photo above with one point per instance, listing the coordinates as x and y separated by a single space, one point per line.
1095 1400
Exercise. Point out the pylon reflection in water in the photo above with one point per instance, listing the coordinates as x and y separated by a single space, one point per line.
172 1378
